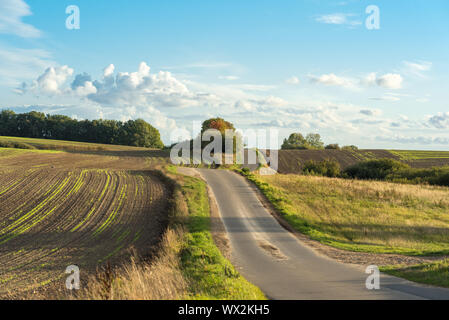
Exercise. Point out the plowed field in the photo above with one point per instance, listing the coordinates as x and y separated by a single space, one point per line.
292 161
67 209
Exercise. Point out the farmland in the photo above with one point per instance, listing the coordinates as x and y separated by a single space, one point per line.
291 161
367 216
60 209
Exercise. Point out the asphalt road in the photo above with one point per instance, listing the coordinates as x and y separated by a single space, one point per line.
281 265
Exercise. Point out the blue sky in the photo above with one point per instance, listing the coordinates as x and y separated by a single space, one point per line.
308 66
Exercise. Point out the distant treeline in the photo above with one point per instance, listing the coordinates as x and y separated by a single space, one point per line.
379 169
39 125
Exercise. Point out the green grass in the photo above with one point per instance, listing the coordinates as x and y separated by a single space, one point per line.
364 216
436 273
409 155
210 275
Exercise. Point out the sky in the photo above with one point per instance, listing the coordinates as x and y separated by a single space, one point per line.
330 67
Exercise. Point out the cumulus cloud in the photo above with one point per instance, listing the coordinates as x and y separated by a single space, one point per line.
11 14
141 87
83 85
108 71
390 81
50 83
332 80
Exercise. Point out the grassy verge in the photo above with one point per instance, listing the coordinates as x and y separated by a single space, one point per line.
365 216
188 264
436 273
209 274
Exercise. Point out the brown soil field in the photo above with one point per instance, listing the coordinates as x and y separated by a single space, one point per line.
62 209
291 161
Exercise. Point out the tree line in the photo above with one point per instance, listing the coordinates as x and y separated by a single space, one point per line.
34 124
312 141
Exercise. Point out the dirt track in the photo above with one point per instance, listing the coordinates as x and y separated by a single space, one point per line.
63 209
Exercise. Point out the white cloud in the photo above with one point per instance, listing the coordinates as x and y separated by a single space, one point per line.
292 80
50 83
11 14
108 71
86 89
369 79
338 18
333 80
390 81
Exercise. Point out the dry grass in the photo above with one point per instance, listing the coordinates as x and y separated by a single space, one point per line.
364 215
160 279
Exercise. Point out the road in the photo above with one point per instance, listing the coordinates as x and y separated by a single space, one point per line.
281 265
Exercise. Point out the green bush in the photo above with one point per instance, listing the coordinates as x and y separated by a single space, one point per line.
328 168
434 176
378 169
350 148
332 146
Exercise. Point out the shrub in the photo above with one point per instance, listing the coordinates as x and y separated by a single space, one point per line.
332 146
297 141
435 176
350 148
378 169
245 170
328 168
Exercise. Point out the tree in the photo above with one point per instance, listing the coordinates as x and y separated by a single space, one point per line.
221 125
332 146
38 125
217 124
139 133
314 141
295 141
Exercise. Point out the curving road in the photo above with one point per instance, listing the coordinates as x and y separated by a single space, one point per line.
283 267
